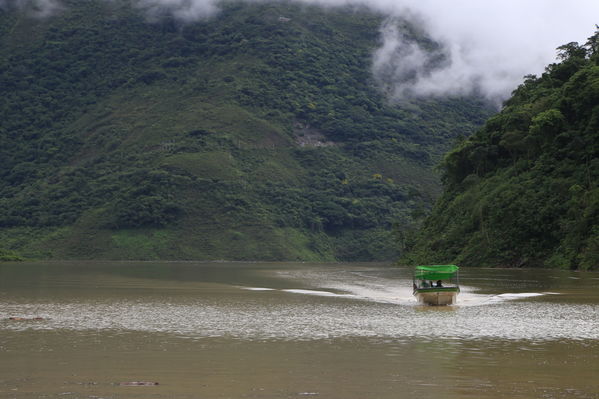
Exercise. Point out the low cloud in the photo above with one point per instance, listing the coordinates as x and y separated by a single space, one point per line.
36 8
486 47
184 10
407 68
483 47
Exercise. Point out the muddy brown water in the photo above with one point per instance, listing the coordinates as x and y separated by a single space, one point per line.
277 330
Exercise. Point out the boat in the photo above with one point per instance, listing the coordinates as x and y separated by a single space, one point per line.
436 284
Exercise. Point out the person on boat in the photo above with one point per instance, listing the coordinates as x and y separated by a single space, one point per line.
425 284
439 283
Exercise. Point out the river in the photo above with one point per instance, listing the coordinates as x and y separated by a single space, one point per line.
292 330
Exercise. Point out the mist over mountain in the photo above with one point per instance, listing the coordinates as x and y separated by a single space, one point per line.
486 48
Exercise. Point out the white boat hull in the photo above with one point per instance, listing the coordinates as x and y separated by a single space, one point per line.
436 298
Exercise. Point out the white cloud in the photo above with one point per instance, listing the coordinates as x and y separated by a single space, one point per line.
36 8
489 44
185 10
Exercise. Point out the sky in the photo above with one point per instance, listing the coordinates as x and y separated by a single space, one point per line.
489 45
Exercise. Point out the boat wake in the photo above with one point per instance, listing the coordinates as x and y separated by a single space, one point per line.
381 286
472 299
308 304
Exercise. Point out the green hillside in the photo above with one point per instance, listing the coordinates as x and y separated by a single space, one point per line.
257 134
523 190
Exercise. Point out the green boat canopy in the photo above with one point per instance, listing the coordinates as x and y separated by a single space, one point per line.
435 272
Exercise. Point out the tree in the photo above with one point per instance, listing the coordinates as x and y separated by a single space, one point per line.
571 50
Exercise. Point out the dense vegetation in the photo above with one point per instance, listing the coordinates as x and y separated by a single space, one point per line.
256 134
523 190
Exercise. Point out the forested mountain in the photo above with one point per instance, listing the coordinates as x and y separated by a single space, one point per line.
523 190
258 133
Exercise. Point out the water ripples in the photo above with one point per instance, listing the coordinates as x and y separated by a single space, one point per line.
253 318
327 303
